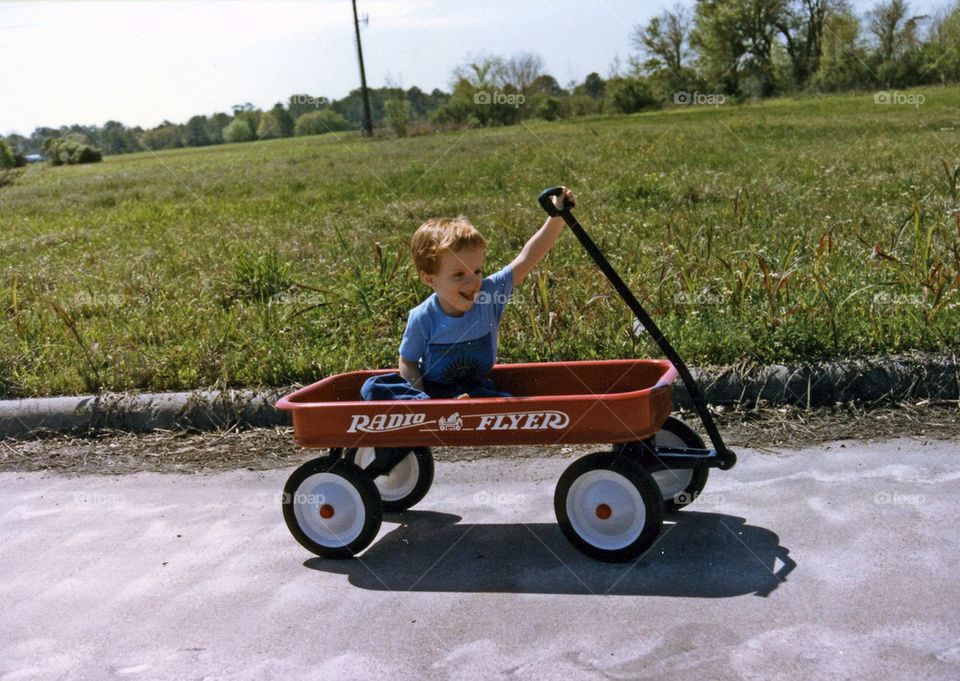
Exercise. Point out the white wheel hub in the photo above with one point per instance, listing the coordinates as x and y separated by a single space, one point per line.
671 481
605 509
400 482
329 510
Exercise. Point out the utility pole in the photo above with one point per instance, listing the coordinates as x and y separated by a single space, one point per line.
367 121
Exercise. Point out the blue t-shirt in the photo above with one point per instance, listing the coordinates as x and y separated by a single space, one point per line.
457 350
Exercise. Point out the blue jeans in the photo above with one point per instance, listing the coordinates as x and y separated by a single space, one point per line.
396 387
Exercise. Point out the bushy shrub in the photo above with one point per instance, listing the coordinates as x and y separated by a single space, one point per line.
629 95
550 108
398 112
241 129
319 122
455 111
70 150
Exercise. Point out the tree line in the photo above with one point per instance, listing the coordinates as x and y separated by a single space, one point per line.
736 49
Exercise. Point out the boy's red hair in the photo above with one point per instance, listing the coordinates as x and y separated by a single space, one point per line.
439 235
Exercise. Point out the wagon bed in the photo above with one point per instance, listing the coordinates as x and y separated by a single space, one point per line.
610 401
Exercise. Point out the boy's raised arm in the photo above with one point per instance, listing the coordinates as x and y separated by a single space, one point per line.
541 242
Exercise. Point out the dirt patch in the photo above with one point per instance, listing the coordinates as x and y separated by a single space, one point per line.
115 453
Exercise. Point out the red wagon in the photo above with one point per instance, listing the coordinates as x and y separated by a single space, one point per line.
609 504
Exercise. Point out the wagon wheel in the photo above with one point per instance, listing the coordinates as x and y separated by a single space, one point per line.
608 507
403 475
332 507
679 486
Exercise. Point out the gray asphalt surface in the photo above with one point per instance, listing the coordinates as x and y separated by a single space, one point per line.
833 562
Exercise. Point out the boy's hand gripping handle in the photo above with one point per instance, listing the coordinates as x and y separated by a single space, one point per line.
547 204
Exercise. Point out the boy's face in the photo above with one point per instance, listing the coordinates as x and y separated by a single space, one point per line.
457 279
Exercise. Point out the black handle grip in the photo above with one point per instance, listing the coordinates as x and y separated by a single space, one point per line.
547 204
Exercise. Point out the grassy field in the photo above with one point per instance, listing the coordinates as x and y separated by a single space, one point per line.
791 229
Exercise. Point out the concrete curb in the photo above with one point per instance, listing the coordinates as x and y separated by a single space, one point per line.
890 378
141 412
865 381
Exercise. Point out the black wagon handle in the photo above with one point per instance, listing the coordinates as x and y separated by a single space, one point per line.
545 200
727 457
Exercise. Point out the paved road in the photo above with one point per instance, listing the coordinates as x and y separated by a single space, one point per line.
834 562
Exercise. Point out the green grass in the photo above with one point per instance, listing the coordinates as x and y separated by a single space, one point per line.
791 229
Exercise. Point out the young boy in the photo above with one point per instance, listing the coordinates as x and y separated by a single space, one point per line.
450 343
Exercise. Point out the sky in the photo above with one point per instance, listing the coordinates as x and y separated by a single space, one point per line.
144 62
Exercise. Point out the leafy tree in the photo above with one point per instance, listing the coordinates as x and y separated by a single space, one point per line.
665 45
165 136
735 41
522 71
268 127
195 132
423 104
115 139
592 86
665 41
482 95
351 106
547 85
19 144
39 136
284 120
7 159
896 59
485 72
941 54
843 59
215 125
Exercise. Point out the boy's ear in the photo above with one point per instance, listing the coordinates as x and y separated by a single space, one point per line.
427 278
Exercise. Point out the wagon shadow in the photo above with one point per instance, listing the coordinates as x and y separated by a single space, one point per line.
703 555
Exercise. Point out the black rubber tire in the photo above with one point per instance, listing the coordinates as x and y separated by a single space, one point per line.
353 476
636 476
692 490
424 462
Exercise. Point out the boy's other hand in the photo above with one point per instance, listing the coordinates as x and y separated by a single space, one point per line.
564 200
